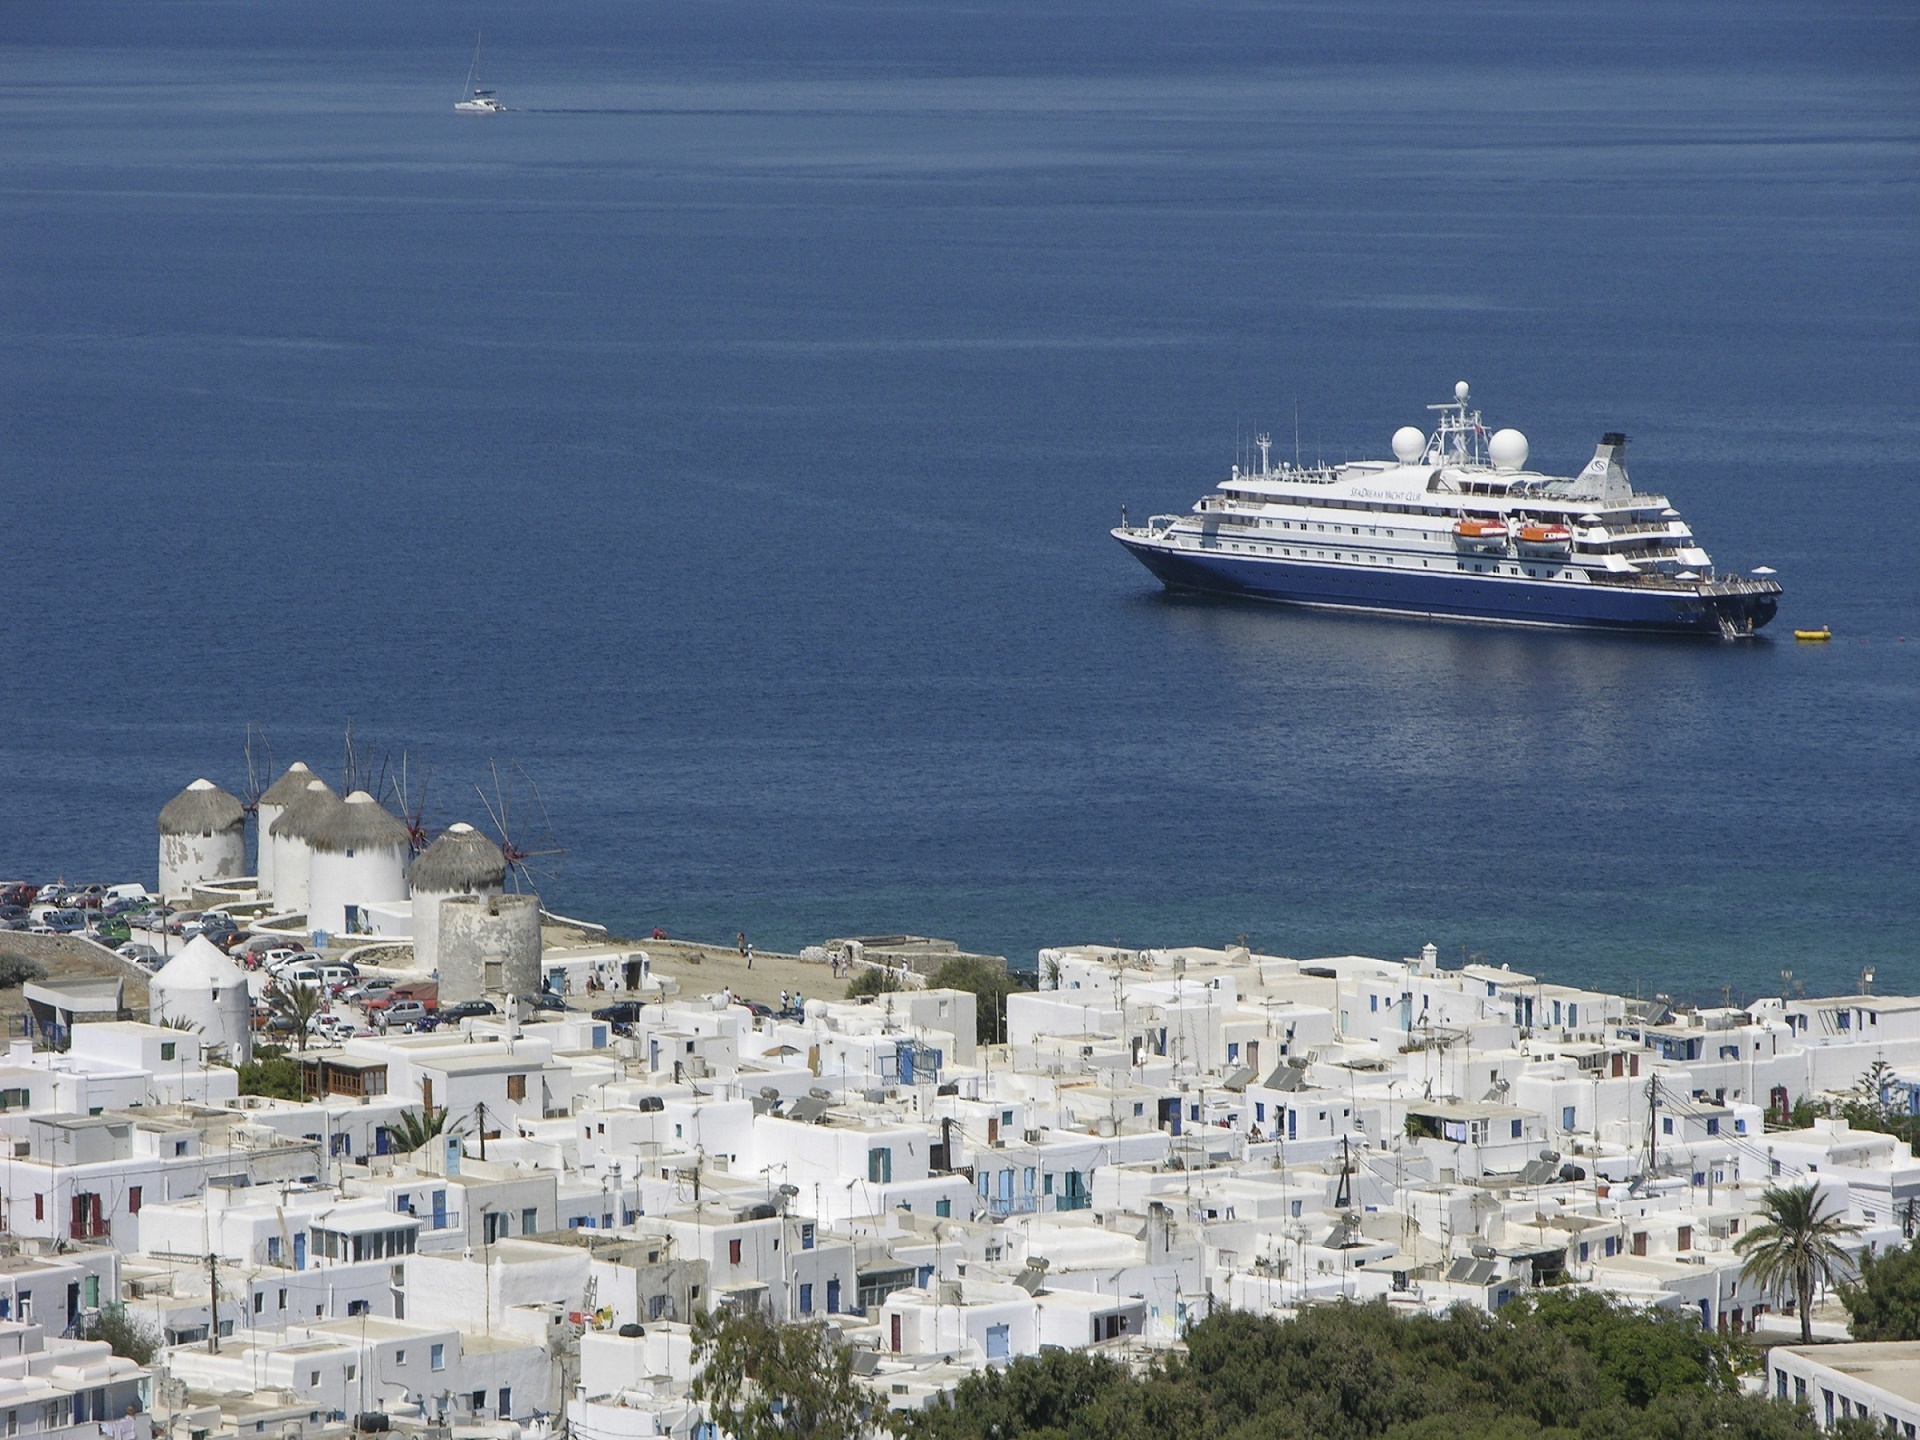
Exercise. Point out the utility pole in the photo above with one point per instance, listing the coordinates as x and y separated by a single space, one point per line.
1653 1107
213 1295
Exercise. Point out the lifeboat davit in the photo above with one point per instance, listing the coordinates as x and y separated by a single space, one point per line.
1472 534
1544 539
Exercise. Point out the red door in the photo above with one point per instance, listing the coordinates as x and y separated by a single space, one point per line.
896 1334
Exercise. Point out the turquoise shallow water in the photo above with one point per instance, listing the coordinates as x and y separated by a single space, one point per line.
732 433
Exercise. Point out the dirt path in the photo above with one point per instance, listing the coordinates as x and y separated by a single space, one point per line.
703 969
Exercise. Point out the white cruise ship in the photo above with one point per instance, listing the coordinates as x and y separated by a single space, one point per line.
1455 527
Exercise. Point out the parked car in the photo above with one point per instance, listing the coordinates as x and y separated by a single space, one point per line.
467 1010
63 922
18 892
369 993
141 954
545 1000
87 897
119 905
404 1012
216 922
300 975
177 922
623 1012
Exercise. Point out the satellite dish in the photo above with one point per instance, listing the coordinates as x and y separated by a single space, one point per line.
1507 449
1408 442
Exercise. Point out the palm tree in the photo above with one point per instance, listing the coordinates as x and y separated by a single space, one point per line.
1795 1247
298 1003
414 1128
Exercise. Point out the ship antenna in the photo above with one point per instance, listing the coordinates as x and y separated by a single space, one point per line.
1296 433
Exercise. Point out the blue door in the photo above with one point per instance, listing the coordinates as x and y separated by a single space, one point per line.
833 1297
300 1250
439 1209
381 1140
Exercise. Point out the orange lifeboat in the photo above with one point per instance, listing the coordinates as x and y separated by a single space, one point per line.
1480 534
1544 538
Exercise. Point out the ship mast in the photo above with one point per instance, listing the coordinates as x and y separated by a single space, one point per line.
1457 441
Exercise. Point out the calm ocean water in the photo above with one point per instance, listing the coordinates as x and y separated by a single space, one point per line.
731 434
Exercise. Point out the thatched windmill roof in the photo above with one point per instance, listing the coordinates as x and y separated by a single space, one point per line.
460 862
305 812
290 786
203 808
360 823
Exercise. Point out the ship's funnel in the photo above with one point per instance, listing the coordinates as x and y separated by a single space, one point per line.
1605 478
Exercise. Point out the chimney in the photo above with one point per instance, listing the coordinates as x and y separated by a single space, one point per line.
1605 478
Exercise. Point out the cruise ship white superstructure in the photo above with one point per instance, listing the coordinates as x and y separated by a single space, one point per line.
1456 527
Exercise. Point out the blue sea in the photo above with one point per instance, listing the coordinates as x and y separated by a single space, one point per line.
727 439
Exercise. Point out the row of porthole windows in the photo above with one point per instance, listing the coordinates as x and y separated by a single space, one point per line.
1389 560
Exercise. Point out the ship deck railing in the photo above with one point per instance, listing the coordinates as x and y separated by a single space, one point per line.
1720 585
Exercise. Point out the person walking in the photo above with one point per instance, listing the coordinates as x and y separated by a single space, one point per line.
740 941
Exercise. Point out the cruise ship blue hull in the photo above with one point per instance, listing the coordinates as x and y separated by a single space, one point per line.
1486 599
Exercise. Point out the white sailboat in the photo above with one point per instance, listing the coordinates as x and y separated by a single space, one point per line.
478 101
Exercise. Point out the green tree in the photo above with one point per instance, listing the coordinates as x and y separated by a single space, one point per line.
1796 1247
1639 1354
1884 1302
271 1073
415 1128
872 980
766 1381
17 969
297 1004
991 983
1564 1366
126 1332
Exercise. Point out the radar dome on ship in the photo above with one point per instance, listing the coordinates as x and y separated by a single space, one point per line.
1408 442
1507 449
